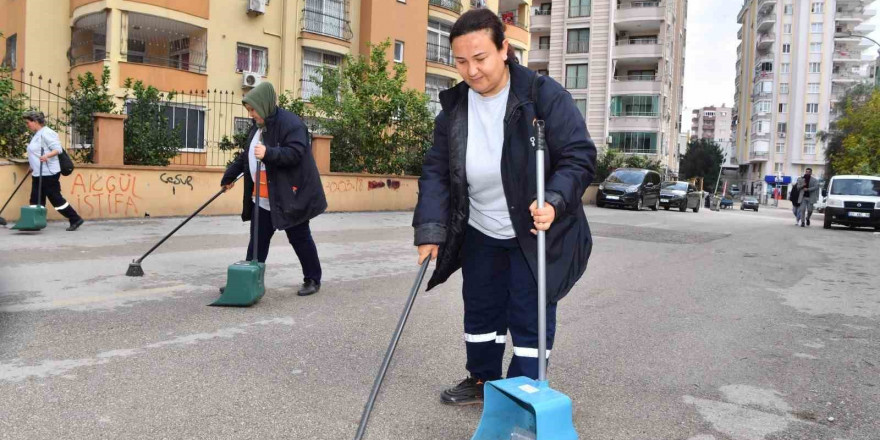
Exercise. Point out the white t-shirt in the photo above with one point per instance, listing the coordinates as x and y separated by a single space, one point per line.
488 205
48 140
252 162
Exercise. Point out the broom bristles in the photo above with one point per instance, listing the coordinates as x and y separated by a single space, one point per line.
135 270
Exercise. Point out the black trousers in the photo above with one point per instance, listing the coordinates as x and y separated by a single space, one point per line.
299 236
51 189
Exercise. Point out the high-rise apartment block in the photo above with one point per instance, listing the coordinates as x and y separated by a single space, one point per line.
795 60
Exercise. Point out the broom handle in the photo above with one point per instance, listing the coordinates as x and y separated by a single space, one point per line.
205 205
40 181
23 180
257 213
542 259
362 428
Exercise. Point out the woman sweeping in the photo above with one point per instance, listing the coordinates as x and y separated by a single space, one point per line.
44 149
477 206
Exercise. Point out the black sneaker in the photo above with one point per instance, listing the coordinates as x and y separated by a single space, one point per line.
808 221
222 289
468 392
75 225
310 287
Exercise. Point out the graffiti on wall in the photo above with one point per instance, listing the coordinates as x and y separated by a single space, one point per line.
358 184
177 180
99 195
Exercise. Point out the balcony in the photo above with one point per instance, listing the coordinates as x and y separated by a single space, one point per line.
635 123
198 8
540 21
636 84
766 22
638 50
440 55
764 5
88 40
763 76
539 56
766 41
739 34
162 42
639 15
759 156
328 21
449 5
847 77
515 27
847 57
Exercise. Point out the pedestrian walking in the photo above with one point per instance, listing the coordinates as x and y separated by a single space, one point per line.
794 198
477 206
809 187
44 148
291 193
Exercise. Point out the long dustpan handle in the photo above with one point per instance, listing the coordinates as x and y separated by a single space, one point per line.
368 408
542 258
40 181
23 180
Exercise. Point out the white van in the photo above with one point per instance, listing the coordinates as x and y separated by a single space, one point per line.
853 201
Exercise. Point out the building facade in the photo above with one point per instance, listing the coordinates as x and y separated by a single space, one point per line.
794 61
716 123
623 62
197 47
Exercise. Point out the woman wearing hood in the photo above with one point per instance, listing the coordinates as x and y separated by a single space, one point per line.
291 193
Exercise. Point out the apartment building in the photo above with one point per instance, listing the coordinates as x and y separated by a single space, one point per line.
794 62
716 123
623 62
199 46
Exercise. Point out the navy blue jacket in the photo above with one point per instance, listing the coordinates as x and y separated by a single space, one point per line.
296 194
441 215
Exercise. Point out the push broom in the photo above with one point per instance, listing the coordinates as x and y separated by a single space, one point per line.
23 180
135 269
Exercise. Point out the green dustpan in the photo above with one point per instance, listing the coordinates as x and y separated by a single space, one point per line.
32 218
245 279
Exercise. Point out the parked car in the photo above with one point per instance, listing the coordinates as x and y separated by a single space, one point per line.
734 190
853 201
726 202
681 195
749 202
630 187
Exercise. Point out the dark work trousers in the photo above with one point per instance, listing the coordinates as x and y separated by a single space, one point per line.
500 294
52 190
300 236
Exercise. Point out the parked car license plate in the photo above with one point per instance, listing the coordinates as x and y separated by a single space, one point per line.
612 197
860 214
664 200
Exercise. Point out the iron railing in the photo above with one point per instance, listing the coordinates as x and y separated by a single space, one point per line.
323 23
452 5
440 54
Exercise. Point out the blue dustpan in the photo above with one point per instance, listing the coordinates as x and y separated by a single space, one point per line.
522 408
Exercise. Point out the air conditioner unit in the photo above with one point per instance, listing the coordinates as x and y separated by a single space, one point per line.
782 135
257 6
250 79
809 136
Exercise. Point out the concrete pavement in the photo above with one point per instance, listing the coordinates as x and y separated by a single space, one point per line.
714 325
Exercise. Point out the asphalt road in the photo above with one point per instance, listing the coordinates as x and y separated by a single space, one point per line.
715 325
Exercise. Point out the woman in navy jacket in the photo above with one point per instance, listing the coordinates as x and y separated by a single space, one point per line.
477 211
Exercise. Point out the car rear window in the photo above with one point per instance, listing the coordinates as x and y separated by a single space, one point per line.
675 186
855 187
627 177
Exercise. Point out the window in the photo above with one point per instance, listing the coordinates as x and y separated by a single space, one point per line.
250 59
785 68
783 88
780 148
786 48
326 17
313 61
545 8
762 107
783 107
433 86
578 41
635 105
241 125
543 72
810 148
579 8
781 127
815 67
789 9
576 76
581 104
816 28
708 114
544 42
398 51
9 60
777 168
633 142
813 88
815 47
786 28
439 49
812 108
810 129
136 52
189 119
816 8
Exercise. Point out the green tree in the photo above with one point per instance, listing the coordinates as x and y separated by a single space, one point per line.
149 138
89 97
853 101
14 136
377 126
702 159
859 128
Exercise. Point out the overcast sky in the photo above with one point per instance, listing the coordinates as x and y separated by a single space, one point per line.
710 66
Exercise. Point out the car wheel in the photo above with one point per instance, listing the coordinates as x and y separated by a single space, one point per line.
697 208
666 207
742 208
682 206
827 223
656 205
640 204
600 205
